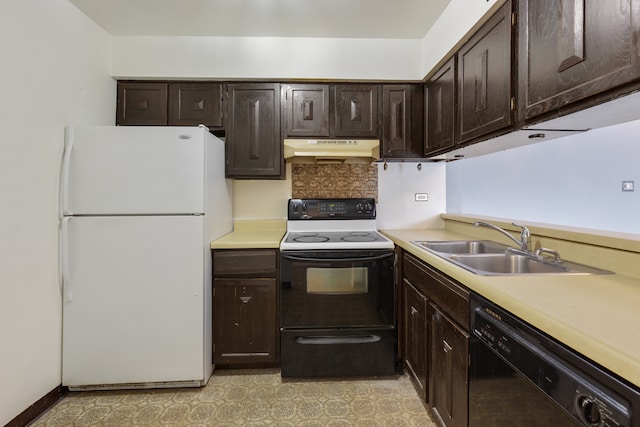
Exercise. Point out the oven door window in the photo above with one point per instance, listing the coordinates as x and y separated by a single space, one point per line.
332 281
337 290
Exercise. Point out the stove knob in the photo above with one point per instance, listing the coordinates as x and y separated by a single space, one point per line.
590 410
368 207
359 207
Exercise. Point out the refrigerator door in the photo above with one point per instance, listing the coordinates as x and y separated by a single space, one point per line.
109 170
133 300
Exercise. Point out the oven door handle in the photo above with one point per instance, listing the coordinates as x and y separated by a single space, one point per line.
338 339
349 258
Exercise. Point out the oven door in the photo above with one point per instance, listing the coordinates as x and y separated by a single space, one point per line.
337 289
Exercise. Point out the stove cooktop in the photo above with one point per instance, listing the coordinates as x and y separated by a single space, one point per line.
335 237
333 224
359 239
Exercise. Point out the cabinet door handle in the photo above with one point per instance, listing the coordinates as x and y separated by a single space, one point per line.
245 299
413 310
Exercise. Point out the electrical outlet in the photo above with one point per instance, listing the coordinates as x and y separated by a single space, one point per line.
422 197
627 185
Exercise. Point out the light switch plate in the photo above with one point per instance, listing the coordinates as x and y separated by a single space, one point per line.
422 197
627 185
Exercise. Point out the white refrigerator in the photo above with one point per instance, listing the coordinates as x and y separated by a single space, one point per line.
139 208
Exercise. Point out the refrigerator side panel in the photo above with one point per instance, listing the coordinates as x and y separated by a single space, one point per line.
135 316
115 170
218 222
218 191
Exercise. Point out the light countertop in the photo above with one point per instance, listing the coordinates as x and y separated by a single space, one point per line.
598 316
249 234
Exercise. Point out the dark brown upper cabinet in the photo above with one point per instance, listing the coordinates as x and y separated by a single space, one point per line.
331 110
141 103
573 49
168 103
196 103
253 142
306 109
484 78
440 109
356 110
402 121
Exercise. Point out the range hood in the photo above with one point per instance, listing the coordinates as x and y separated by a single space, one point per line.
331 150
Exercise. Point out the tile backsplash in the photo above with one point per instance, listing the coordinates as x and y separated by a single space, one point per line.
334 181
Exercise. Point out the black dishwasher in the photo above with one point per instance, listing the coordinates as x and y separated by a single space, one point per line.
519 376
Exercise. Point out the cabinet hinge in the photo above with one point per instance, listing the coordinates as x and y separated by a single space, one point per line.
514 19
513 103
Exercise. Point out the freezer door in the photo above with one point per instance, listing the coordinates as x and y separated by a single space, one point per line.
133 309
132 170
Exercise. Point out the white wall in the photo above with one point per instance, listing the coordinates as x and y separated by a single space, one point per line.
298 58
262 199
397 186
265 58
451 27
55 70
574 181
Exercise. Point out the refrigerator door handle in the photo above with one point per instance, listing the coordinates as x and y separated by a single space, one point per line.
67 295
64 172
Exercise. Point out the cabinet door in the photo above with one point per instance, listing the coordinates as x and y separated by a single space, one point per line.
416 338
484 78
402 118
440 109
191 104
448 385
245 321
254 146
307 110
572 49
356 111
141 103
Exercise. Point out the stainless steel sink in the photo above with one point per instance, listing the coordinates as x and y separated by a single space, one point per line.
507 264
487 258
463 246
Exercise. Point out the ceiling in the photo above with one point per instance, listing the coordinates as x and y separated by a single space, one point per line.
396 19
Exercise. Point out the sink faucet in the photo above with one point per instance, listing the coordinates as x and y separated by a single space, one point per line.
525 234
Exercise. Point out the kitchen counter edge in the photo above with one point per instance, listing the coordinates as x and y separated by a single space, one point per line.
250 234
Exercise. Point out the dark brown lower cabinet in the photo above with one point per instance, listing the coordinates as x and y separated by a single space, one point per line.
245 307
436 340
245 321
449 370
416 338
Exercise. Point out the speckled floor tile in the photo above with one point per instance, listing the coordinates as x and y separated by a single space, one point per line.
249 398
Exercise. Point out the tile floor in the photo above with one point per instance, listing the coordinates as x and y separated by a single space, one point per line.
249 398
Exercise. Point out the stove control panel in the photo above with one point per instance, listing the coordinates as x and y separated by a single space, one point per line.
305 209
